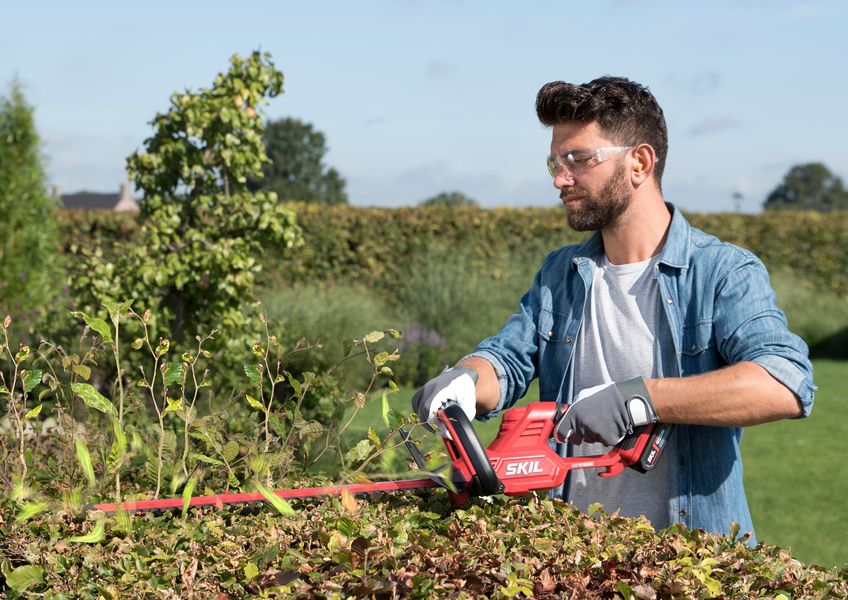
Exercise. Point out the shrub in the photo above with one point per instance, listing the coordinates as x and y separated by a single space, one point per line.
398 546
28 234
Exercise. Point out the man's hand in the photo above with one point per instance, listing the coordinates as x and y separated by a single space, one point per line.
606 413
456 384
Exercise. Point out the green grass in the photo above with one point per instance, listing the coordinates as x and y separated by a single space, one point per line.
796 474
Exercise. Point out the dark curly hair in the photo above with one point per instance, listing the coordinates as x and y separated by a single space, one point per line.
625 111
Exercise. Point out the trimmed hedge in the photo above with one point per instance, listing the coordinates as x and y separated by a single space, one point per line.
371 245
400 546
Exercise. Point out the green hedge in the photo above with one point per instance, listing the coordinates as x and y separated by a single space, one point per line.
369 245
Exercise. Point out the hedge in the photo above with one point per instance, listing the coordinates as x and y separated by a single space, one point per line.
397 546
369 244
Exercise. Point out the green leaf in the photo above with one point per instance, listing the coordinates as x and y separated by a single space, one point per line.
115 458
255 403
33 413
277 425
94 399
163 347
29 510
230 451
250 571
23 578
172 372
385 408
254 373
174 405
381 358
117 310
297 387
84 459
206 459
31 379
373 437
83 371
374 337
96 324
94 536
188 491
359 452
283 507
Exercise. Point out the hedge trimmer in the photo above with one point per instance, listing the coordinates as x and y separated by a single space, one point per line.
518 461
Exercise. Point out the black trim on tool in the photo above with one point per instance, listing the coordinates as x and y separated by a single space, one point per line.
485 482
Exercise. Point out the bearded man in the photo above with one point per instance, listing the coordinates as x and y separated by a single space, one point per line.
650 320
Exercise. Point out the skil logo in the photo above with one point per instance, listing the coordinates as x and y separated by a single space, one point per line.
526 467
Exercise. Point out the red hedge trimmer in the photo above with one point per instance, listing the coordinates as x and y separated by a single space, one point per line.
519 460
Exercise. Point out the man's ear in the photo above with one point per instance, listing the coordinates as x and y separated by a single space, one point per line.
642 165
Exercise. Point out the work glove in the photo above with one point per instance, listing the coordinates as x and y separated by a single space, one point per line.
606 413
458 384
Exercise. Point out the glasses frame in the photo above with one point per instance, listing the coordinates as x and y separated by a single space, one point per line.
594 157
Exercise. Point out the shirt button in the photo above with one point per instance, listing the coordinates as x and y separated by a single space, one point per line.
682 512
568 340
550 334
669 301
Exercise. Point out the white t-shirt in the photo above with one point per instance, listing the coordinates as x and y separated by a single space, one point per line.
624 335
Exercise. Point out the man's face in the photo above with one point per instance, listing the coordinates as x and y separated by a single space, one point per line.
596 198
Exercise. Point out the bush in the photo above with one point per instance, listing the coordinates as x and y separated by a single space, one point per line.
817 315
397 546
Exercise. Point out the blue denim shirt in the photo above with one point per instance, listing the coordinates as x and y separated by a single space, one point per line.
721 310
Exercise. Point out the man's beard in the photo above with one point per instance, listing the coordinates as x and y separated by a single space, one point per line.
603 211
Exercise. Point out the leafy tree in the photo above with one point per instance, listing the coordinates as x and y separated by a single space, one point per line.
296 170
28 232
809 186
194 260
449 199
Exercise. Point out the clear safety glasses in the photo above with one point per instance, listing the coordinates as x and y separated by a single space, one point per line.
579 161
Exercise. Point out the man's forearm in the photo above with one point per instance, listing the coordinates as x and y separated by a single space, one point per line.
488 388
736 396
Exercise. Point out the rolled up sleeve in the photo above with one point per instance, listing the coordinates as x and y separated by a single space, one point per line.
750 327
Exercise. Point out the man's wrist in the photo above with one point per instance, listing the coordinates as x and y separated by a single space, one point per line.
637 400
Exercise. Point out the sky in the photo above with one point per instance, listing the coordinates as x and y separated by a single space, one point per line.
417 97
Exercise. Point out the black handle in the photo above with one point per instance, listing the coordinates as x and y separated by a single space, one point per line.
485 482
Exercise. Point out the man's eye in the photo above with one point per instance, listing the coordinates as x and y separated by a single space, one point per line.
577 158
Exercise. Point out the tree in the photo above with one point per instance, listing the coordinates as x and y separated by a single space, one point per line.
195 259
295 170
809 186
28 232
449 199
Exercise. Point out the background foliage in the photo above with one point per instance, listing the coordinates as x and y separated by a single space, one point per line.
28 232
295 169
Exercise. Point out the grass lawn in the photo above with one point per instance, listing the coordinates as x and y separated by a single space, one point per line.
796 474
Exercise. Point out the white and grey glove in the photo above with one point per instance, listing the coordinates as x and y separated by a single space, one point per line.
458 384
606 413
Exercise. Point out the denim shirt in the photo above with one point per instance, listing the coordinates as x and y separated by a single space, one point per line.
721 310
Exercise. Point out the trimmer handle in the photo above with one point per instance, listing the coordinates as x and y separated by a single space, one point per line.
463 445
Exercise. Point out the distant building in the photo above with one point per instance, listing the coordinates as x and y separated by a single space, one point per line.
120 202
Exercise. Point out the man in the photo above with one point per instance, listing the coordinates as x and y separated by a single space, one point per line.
650 320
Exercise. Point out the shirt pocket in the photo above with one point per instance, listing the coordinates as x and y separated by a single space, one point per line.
699 348
697 338
552 326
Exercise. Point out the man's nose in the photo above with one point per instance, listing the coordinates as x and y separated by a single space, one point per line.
563 178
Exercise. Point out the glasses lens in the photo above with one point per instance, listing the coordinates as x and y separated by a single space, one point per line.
552 166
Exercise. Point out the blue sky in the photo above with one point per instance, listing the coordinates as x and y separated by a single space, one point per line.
417 97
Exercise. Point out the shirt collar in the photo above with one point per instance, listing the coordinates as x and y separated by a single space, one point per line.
675 252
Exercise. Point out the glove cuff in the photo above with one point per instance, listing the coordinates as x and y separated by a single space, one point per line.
467 371
638 401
